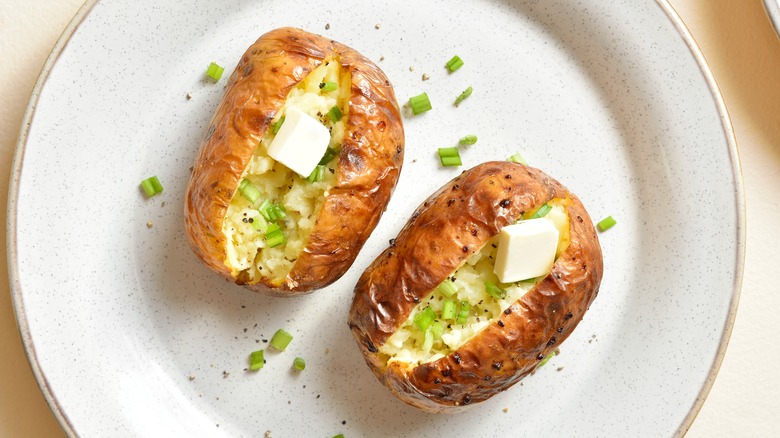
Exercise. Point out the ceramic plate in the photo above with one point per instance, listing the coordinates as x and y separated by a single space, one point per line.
773 9
129 335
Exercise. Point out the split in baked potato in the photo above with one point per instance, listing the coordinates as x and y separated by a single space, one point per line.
430 315
252 218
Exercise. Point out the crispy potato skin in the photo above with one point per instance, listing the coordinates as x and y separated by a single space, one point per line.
368 169
450 226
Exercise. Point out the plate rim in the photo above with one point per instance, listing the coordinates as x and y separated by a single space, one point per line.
21 144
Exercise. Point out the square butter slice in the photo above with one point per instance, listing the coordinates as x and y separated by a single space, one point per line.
525 250
300 143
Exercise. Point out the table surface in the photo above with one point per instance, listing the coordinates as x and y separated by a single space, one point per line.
743 52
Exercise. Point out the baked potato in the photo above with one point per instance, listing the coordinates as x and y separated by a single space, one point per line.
441 357
257 222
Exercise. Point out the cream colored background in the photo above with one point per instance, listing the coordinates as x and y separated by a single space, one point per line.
744 54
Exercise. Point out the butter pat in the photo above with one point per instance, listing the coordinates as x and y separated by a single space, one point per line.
300 143
526 250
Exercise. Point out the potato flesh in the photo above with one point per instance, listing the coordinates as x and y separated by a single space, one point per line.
246 249
405 345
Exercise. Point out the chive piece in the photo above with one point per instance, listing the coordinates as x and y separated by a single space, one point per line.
448 310
427 340
468 140
606 223
451 161
151 186
327 87
256 360
542 211
214 71
546 359
259 224
317 174
299 364
278 125
495 291
517 158
275 238
450 156
466 93
425 318
279 211
437 329
263 209
463 315
420 103
454 64
335 114
249 191
281 340
341 435
447 288
330 154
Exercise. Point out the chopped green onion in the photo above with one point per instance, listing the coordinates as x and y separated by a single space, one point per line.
468 140
495 291
450 156
606 223
249 191
259 224
428 340
335 114
327 87
425 318
256 360
317 174
451 161
542 211
277 125
272 212
463 315
214 71
546 359
447 288
341 435
299 364
466 93
274 238
454 64
330 154
528 280
420 103
517 158
437 329
151 186
281 339
448 310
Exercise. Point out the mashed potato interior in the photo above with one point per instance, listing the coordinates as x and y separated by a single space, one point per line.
407 344
247 251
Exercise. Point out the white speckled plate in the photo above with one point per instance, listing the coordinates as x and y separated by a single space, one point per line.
129 335
773 9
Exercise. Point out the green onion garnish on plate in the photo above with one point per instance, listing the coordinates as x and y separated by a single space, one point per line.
606 223
454 64
424 318
277 125
256 360
465 94
517 158
447 288
299 364
151 186
327 87
420 103
281 339
214 71
468 140
495 291
463 314
450 157
448 310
